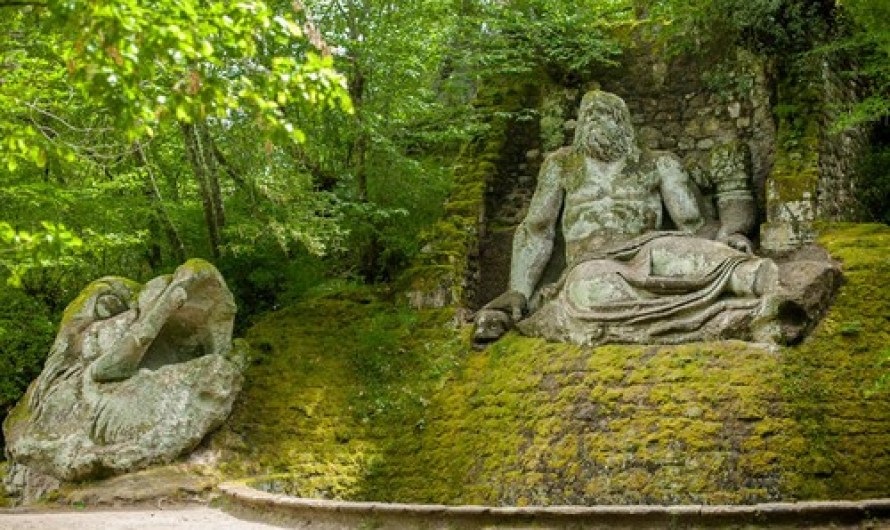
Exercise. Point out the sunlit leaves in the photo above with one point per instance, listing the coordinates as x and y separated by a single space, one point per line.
29 81
49 245
561 37
191 60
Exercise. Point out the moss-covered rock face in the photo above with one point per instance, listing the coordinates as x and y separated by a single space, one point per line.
444 272
836 385
349 397
332 381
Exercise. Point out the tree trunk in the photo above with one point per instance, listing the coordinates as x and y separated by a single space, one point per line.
358 151
161 216
211 161
208 185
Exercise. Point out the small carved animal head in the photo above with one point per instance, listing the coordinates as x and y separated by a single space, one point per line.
491 325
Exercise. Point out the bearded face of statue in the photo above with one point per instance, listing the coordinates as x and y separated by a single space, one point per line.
605 131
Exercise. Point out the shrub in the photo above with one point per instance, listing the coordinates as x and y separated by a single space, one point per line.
26 334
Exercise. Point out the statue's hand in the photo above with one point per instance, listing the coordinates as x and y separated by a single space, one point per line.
739 242
513 303
498 317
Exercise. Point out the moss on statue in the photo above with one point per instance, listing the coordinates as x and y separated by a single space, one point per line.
20 414
351 397
77 305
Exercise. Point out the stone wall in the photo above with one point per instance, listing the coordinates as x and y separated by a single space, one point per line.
813 176
839 151
675 110
455 253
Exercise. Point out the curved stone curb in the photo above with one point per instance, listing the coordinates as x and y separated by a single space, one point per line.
327 514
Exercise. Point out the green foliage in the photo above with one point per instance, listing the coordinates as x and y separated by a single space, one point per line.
268 279
26 333
33 91
387 165
95 98
867 39
791 31
191 60
281 212
873 188
51 246
562 38
775 27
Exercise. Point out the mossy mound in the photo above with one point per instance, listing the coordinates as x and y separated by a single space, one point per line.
322 375
836 384
350 397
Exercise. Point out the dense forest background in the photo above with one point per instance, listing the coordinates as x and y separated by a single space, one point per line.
298 143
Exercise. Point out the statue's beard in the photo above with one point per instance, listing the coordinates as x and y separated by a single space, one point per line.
609 150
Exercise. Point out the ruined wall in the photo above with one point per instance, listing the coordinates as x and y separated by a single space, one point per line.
450 266
839 152
688 108
813 177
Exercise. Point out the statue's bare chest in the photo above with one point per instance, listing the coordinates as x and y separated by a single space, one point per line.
610 200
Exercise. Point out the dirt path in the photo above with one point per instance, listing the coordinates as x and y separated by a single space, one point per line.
187 518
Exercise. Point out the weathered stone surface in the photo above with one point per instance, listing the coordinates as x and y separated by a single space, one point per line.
138 375
814 514
626 279
171 483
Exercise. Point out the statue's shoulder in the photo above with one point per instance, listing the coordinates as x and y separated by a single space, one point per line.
652 160
563 160
562 155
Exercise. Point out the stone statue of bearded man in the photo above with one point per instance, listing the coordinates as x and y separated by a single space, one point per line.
627 279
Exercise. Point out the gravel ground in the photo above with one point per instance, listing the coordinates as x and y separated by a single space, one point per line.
190 518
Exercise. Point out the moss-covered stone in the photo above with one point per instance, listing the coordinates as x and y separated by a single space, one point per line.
324 375
351 397
440 275
831 382
77 306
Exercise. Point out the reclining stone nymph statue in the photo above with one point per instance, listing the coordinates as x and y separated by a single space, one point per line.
138 375
627 279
